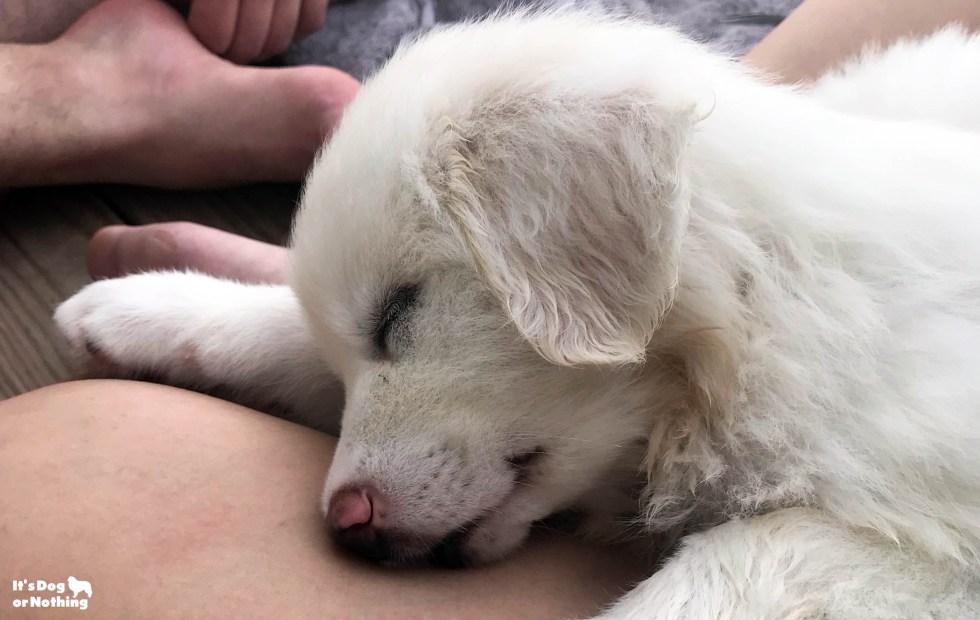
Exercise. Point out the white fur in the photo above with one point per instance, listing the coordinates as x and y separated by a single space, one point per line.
196 331
760 306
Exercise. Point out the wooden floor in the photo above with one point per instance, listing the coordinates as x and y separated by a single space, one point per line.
43 235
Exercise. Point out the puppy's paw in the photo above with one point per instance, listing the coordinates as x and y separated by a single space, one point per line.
131 325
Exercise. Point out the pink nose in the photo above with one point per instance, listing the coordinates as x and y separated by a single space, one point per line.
354 515
352 506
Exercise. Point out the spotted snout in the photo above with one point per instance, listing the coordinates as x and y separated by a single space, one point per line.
395 510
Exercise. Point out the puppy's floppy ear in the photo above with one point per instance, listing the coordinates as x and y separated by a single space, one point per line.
573 209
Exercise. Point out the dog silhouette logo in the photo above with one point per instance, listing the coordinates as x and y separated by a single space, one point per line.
77 585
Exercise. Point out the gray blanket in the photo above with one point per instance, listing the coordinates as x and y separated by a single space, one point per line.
362 34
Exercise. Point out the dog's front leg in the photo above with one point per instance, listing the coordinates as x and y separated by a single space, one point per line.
249 342
798 564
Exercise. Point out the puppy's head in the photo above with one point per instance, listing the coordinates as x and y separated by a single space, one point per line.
484 251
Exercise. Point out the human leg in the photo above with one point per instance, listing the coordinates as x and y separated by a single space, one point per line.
822 33
175 504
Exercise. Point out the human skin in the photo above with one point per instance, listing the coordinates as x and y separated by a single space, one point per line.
239 30
128 94
175 473
819 35
174 504
141 122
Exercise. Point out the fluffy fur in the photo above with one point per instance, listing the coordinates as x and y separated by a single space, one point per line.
722 310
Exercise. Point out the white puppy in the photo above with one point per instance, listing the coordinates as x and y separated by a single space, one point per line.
567 261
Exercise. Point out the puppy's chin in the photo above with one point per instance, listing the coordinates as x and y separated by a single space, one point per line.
490 541
474 544
471 545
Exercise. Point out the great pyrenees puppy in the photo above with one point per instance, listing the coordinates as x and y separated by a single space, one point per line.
566 261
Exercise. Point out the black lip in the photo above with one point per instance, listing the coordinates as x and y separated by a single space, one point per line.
395 549
365 542
449 552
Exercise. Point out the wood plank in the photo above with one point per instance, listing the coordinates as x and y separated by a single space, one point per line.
43 237
262 212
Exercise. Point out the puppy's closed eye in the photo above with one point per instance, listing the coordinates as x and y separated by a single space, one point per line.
390 315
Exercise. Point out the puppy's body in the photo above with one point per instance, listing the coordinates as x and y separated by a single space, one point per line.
603 247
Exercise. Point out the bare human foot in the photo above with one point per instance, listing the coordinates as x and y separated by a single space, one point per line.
119 250
129 95
245 31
